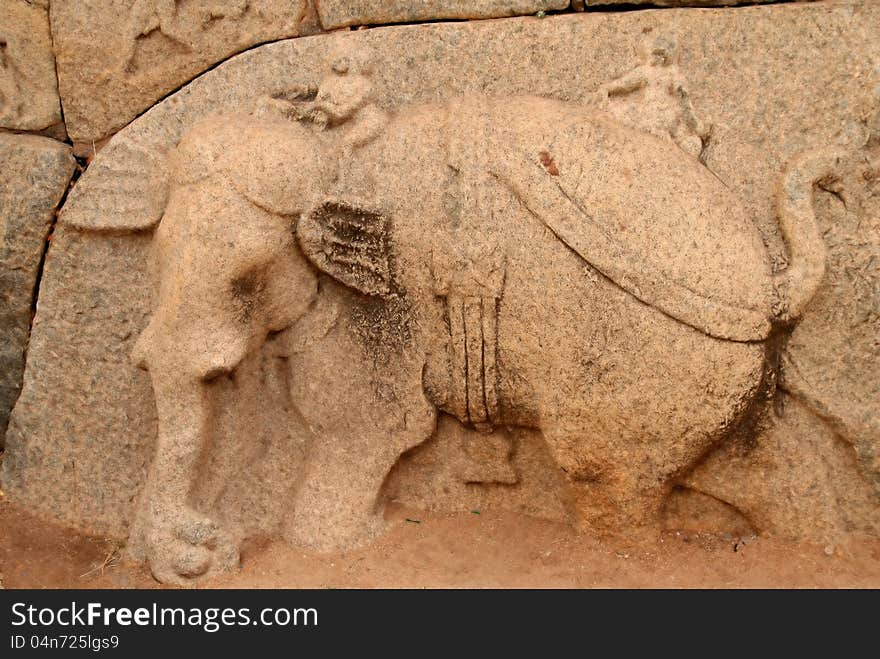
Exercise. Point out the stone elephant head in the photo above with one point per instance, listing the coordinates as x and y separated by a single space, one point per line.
228 268
224 206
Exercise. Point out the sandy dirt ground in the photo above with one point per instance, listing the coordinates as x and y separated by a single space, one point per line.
481 549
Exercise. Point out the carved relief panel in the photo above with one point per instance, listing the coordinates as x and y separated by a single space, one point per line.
342 255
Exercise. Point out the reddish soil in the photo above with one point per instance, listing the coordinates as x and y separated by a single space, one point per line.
486 550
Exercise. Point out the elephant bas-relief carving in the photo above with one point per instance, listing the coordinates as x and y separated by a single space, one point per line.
512 262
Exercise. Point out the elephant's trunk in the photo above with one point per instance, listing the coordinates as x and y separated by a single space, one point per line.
176 540
797 284
182 408
190 346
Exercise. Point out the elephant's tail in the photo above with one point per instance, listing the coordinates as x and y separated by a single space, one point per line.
797 284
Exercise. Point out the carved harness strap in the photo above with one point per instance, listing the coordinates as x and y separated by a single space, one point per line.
473 393
470 276
474 397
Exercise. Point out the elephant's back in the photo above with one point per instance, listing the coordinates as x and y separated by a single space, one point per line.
637 208
660 225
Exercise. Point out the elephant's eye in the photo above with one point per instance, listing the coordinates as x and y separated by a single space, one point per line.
246 291
247 285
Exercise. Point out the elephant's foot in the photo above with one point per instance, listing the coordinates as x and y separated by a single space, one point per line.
608 496
618 510
333 530
185 546
336 507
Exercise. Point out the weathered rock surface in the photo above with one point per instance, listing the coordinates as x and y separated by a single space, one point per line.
800 479
28 88
340 13
302 425
832 360
581 5
33 179
117 58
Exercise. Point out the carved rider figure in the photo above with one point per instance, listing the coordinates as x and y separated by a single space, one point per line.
653 97
341 110
345 109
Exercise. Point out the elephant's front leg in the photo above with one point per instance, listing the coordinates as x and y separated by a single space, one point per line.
360 425
337 506
179 543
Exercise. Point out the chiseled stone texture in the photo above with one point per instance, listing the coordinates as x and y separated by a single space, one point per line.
28 89
767 82
116 58
33 179
344 13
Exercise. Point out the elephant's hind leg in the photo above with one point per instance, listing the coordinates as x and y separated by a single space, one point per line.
613 491
634 407
622 468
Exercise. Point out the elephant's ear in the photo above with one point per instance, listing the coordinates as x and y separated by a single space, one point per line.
125 189
350 243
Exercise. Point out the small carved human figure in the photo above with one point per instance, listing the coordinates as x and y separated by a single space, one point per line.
345 98
344 108
340 109
654 97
